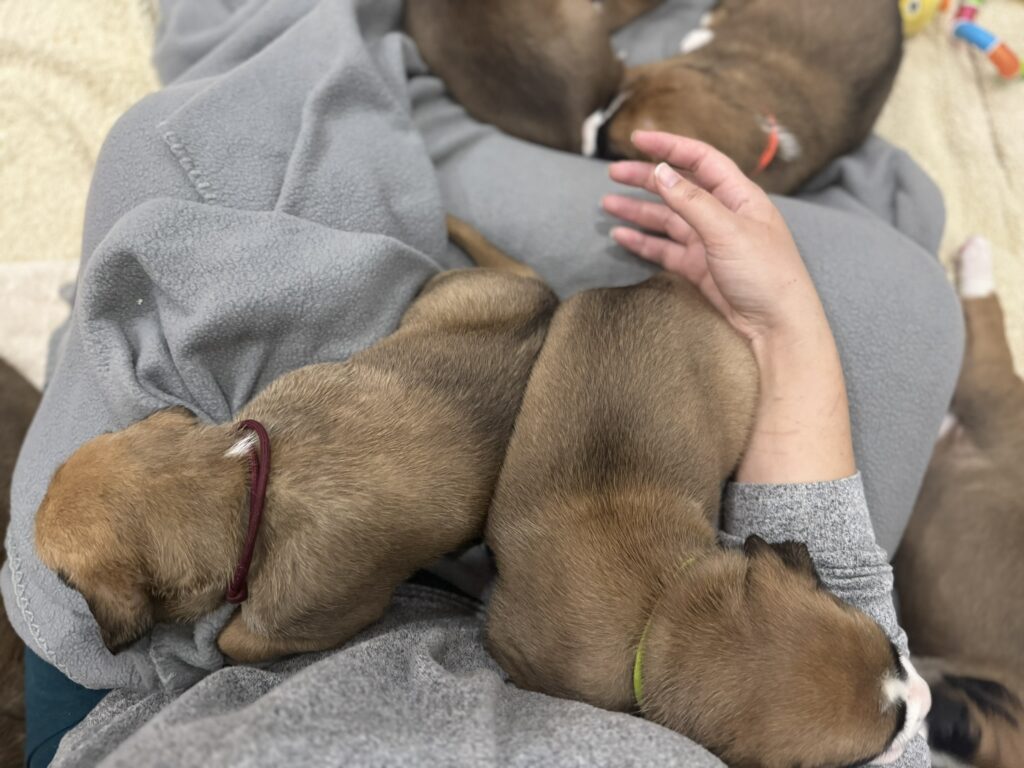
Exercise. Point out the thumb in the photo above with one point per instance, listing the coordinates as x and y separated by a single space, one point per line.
709 217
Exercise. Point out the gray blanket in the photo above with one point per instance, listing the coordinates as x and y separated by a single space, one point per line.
281 201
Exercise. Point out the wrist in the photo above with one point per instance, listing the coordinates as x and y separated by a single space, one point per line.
802 430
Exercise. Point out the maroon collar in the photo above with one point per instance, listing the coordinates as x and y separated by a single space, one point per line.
259 471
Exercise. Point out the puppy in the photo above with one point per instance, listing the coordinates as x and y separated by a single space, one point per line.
611 586
18 402
534 70
959 572
781 86
381 464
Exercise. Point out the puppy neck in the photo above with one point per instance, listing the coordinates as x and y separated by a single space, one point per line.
201 485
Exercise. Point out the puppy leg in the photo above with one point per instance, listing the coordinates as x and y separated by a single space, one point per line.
483 252
989 391
243 646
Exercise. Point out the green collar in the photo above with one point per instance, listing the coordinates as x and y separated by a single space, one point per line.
638 662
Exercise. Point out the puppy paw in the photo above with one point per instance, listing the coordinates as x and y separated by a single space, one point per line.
696 40
975 276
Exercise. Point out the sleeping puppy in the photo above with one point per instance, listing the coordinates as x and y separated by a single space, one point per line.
781 86
381 464
959 571
535 70
18 403
612 588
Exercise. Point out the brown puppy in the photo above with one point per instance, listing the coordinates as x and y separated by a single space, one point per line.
381 464
610 577
780 86
959 570
18 402
534 70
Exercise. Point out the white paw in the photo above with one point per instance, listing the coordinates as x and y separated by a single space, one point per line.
974 269
949 423
696 40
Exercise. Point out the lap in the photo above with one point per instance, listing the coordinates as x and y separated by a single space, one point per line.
419 688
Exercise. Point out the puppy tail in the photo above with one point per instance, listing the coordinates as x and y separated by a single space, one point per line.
482 251
975 720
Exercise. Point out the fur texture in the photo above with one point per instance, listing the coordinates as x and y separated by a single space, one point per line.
534 70
959 571
822 68
18 402
603 527
381 464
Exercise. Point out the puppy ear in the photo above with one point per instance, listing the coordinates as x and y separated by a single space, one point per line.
794 554
122 609
755 546
797 557
177 414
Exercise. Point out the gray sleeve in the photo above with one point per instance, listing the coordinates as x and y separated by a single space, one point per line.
832 519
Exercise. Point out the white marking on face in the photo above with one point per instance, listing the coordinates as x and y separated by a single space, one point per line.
591 127
790 147
975 274
914 691
593 124
696 39
948 425
242 446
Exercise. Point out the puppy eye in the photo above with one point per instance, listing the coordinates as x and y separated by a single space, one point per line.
901 671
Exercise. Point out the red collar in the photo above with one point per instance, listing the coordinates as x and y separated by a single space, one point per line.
259 471
771 151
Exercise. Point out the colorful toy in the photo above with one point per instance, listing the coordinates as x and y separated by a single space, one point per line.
998 52
917 14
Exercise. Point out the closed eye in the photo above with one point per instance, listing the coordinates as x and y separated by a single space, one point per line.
901 722
65 580
901 671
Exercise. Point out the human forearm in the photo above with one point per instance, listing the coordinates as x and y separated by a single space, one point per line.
802 432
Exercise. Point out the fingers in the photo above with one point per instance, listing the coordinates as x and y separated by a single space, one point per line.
687 261
656 249
634 174
713 221
710 169
656 217
713 218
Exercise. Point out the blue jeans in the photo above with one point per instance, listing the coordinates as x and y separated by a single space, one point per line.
53 706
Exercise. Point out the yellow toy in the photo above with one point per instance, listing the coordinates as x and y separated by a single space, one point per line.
917 14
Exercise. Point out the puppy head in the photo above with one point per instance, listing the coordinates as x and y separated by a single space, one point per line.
679 99
95 526
748 655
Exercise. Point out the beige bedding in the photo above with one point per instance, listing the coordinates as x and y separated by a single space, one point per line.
965 125
69 68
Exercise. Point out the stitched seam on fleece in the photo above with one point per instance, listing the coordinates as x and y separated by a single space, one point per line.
21 598
195 176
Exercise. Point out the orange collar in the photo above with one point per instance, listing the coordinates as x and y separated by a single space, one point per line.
771 150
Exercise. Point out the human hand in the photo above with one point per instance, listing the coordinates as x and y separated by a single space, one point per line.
719 230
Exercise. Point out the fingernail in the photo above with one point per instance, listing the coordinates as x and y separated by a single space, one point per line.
666 176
